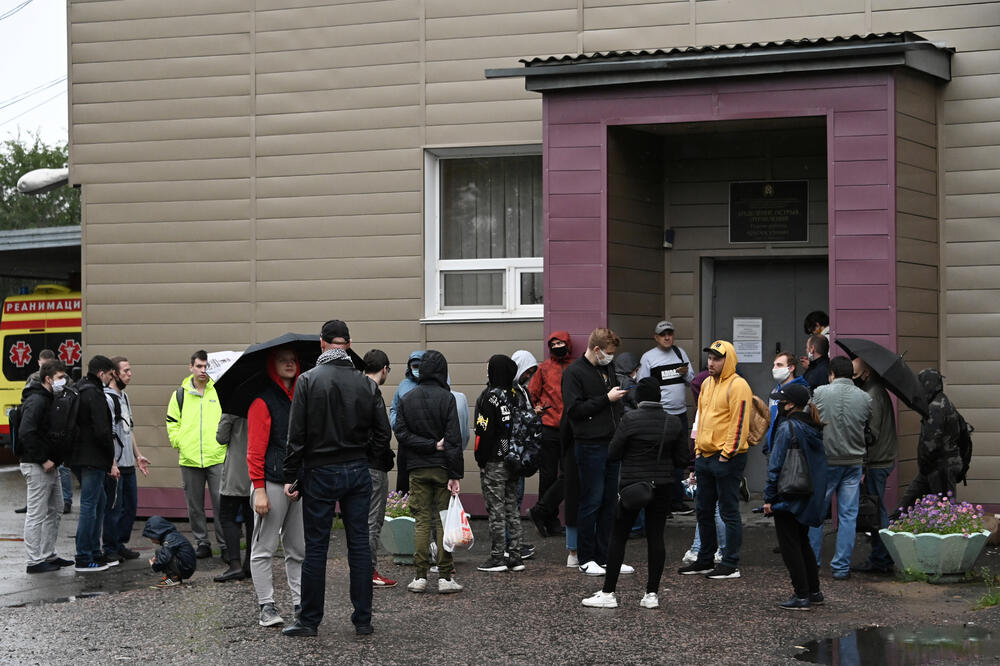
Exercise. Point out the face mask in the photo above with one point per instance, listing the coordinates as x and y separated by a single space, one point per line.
860 383
810 356
780 374
415 372
604 359
58 385
560 352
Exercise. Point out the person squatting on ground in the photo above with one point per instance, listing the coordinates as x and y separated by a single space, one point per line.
380 462
545 390
939 461
428 430
335 417
795 514
844 409
276 516
649 443
234 496
494 419
720 457
40 458
92 459
592 403
193 414
123 493
175 558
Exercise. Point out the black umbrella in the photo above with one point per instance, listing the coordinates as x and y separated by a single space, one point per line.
240 384
896 375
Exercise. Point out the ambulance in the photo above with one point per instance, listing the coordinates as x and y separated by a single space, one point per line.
49 318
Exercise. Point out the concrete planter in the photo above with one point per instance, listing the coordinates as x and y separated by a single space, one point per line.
397 538
937 555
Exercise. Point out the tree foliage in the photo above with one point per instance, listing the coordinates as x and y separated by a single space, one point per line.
57 208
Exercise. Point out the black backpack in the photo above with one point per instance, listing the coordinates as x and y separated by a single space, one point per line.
525 439
965 431
14 419
63 425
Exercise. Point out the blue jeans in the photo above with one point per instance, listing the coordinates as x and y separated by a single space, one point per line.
598 497
875 480
719 483
66 479
720 531
846 481
92 504
322 488
123 496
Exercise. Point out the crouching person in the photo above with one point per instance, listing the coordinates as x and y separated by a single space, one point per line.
175 557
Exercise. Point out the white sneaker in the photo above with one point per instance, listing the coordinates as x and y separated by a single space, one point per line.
572 561
718 556
601 600
592 568
417 585
446 586
650 600
690 557
626 569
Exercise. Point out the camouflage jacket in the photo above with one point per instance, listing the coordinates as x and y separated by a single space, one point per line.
939 431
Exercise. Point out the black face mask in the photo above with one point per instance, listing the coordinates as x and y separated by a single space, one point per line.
559 352
860 383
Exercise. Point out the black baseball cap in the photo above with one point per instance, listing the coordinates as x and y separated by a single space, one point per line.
797 394
335 328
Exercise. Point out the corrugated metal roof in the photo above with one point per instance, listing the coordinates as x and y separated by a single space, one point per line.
805 43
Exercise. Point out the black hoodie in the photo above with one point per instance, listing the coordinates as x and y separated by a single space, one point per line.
494 411
937 450
427 414
173 546
34 445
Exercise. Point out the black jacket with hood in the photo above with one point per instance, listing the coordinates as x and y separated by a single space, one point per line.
591 414
95 444
427 414
173 546
34 445
335 418
937 450
637 445
494 411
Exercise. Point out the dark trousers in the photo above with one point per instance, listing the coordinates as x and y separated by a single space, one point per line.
232 509
322 488
939 482
656 516
800 560
598 496
93 501
875 480
719 482
119 515
402 474
550 484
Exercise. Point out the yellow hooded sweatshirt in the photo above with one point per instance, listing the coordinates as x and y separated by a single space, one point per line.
724 406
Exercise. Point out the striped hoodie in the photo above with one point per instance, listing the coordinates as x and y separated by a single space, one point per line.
724 406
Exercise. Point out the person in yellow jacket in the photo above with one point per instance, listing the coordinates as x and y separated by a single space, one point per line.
193 415
724 407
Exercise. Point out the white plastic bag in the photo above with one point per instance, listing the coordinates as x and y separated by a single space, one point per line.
457 531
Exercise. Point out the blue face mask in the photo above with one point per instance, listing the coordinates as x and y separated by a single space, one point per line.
415 372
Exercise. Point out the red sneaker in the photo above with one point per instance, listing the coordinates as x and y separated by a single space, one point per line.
379 581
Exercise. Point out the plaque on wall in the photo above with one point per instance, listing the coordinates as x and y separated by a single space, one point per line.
769 211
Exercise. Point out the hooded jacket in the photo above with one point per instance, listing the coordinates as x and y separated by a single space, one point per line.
428 414
884 448
637 445
938 449
334 417
624 364
844 409
495 410
232 434
173 546
590 413
408 384
724 411
807 510
524 360
545 388
267 427
192 429
34 444
776 417
95 444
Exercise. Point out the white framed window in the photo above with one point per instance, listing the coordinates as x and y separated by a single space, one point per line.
483 233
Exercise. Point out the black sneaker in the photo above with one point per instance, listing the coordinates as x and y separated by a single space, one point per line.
23 509
46 567
723 571
67 507
527 551
681 508
204 551
515 563
795 604
493 565
816 599
128 553
695 568
61 562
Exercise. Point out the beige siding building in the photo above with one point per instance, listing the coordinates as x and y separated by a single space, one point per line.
254 167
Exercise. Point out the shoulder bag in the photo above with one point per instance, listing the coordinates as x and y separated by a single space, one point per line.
637 495
794 480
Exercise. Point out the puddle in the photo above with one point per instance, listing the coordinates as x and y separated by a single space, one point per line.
62 600
896 646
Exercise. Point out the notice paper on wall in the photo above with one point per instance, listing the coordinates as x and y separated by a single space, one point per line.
748 335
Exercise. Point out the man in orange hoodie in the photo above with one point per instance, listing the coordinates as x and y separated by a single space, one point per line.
545 390
721 445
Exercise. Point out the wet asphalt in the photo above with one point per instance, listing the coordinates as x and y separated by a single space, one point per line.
528 617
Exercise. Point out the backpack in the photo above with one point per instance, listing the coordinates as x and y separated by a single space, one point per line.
63 426
965 431
759 419
14 419
525 449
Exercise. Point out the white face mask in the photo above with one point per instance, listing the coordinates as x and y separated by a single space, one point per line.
603 358
780 374
58 385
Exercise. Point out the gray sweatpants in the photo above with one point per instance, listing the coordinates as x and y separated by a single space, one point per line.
284 521
41 522
376 510
194 480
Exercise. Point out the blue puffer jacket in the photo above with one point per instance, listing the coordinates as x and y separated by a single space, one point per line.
173 546
807 510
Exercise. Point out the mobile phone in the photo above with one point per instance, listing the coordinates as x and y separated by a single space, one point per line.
294 488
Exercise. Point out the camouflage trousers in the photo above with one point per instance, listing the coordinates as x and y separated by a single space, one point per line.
500 495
